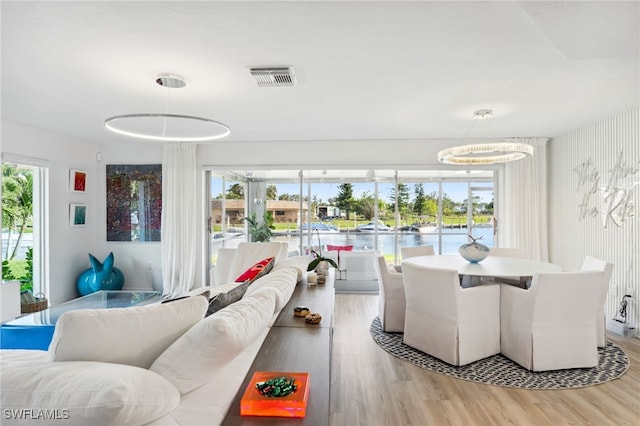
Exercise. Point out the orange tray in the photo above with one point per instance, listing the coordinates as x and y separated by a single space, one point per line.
253 403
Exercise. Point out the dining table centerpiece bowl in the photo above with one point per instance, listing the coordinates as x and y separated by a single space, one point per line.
473 251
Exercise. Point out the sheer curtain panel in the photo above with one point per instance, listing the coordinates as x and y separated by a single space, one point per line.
523 202
178 217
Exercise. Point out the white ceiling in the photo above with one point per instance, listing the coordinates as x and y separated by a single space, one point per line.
365 70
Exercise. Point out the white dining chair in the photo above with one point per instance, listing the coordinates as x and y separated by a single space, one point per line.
407 252
552 326
457 325
391 301
594 264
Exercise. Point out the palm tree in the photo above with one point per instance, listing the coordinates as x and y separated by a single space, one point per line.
17 203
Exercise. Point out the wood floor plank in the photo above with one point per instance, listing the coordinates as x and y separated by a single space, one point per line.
370 387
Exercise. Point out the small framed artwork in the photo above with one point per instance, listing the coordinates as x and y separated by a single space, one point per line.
77 180
77 214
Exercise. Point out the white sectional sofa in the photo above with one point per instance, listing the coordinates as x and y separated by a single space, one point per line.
160 364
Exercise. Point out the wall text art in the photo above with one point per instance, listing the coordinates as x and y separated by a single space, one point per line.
608 196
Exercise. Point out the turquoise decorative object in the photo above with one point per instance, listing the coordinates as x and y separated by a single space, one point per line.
473 252
101 276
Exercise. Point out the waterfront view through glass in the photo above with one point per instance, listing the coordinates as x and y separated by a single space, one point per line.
386 240
341 207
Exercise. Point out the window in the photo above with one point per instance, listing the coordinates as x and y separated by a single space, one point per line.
367 209
24 220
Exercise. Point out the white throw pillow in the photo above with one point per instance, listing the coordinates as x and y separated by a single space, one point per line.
299 263
132 336
193 358
281 283
84 393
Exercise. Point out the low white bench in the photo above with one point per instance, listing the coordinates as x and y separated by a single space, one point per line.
355 265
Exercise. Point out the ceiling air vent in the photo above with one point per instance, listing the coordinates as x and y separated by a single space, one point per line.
274 77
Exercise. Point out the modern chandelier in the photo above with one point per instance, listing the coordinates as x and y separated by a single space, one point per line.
485 153
166 127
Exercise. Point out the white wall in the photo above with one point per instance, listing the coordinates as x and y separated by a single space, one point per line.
604 154
68 247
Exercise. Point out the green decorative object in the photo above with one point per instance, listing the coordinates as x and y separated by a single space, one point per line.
277 387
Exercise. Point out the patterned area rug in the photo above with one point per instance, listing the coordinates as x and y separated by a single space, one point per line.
501 371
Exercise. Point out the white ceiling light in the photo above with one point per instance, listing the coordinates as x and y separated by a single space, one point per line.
485 153
167 127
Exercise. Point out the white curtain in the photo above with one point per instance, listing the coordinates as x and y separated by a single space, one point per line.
522 207
179 200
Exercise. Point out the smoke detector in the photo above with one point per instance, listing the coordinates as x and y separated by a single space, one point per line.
273 77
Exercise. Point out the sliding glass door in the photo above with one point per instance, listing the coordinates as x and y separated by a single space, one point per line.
367 210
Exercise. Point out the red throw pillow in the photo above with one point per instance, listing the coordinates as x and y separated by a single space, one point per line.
339 248
256 271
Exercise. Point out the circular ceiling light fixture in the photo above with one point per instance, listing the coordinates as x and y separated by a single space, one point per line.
167 127
485 153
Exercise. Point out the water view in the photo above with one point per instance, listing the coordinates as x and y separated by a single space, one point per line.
363 241
451 240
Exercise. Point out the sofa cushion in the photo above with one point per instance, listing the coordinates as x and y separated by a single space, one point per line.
248 254
133 336
84 393
298 263
281 283
222 300
223 264
22 355
193 358
256 270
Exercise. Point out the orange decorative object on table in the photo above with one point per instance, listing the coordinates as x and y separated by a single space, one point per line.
254 403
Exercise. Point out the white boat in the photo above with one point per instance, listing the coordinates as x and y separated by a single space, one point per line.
370 227
424 228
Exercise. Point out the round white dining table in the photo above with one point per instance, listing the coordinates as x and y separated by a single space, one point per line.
491 266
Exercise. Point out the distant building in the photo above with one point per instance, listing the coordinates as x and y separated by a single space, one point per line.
328 212
282 211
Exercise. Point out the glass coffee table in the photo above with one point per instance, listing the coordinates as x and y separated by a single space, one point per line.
35 330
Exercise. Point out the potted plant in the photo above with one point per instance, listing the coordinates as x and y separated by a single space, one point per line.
318 257
260 232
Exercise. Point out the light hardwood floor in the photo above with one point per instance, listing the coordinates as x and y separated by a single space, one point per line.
373 388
